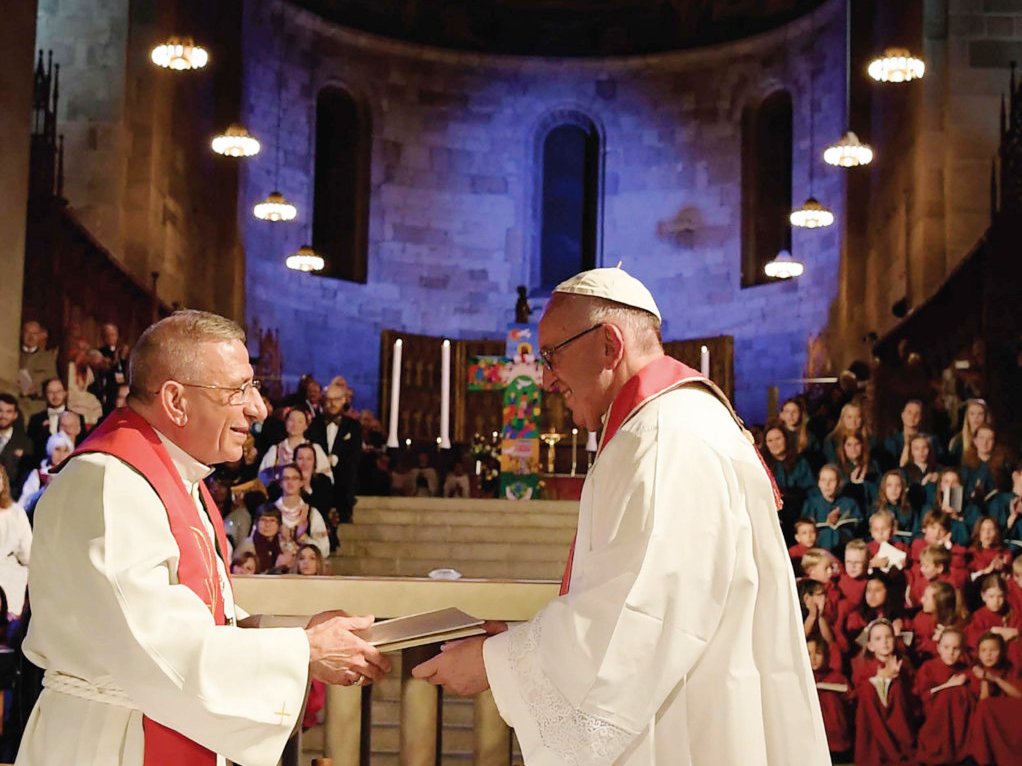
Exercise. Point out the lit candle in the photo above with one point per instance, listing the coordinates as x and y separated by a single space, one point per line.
395 394
445 395
704 361
574 450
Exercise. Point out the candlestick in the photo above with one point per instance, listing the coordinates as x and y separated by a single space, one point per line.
574 450
551 440
704 361
445 394
591 445
395 394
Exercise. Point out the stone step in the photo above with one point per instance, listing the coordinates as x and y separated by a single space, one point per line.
455 552
347 566
433 532
444 517
471 505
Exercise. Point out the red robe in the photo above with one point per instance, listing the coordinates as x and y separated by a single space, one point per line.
884 734
944 732
983 620
852 588
959 554
874 547
981 558
995 736
836 707
917 584
1014 595
795 553
923 626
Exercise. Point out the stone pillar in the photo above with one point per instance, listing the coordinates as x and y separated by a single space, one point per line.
343 724
17 48
492 737
420 712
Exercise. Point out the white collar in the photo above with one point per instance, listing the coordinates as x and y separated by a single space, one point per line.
190 469
27 350
8 432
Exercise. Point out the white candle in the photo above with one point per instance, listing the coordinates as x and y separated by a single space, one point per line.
395 394
445 395
574 450
591 445
704 361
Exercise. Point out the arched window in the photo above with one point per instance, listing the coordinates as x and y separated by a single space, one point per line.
340 214
569 208
766 184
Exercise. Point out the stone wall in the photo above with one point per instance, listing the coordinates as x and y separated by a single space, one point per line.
453 223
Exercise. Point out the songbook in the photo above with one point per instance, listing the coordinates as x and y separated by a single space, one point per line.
420 629
828 686
895 557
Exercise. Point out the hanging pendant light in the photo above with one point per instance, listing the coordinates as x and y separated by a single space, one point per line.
275 208
305 259
783 266
896 65
180 54
236 142
812 214
849 151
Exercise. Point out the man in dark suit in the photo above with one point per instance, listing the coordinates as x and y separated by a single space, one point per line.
43 425
15 446
340 436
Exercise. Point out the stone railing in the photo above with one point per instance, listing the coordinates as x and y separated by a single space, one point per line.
346 725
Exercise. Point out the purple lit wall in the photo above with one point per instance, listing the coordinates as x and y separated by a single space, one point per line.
455 205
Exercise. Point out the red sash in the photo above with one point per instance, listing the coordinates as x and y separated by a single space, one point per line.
656 378
128 437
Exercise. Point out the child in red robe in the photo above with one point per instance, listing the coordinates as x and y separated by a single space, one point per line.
942 686
937 531
882 529
933 565
813 599
885 721
941 610
988 554
835 699
995 737
995 616
805 538
1014 585
820 565
878 602
852 582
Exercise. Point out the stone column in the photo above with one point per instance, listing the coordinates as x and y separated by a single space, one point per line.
17 46
492 741
343 724
420 712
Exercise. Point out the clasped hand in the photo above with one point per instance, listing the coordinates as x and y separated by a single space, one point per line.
459 667
338 656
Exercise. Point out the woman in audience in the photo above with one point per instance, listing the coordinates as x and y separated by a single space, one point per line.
801 441
58 448
317 488
15 545
283 452
792 473
964 514
921 472
309 561
850 422
81 378
858 471
300 522
985 466
893 497
976 414
245 562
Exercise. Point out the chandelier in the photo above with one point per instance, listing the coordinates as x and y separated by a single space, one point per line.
180 53
849 152
812 215
896 65
236 142
305 259
275 208
783 266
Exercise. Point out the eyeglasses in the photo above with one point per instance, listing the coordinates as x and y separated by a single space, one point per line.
547 354
236 394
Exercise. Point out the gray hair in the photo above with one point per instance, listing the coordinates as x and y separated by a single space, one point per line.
640 326
59 439
170 348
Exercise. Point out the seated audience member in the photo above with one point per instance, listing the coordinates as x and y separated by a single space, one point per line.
921 472
995 738
852 582
813 599
15 546
300 522
819 565
885 720
309 561
36 365
859 472
988 554
1014 586
307 397
805 538
942 687
71 423
837 518
941 609
963 514
995 616
43 425
271 430
266 542
985 466
58 448
933 565
879 601
896 446
792 474
81 381
893 497
457 483
283 452
882 528
245 562
802 442
317 489
425 481
976 414
936 528
16 454
835 699
243 470
1006 507
850 422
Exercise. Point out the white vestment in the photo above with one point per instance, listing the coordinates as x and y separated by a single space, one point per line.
680 640
117 634
15 546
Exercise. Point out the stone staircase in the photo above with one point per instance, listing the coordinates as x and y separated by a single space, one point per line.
492 539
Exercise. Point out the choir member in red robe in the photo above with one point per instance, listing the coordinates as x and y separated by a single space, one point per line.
941 609
996 616
885 721
995 736
937 531
805 538
1014 586
988 554
942 686
878 602
820 565
835 698
852 582
933 565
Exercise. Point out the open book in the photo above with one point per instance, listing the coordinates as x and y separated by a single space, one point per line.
420 629
829 686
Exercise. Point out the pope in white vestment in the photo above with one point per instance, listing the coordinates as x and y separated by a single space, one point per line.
119 634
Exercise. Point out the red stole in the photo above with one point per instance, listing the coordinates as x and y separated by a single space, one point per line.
128 437
656 378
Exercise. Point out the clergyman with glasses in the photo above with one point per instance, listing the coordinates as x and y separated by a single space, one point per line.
147 658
